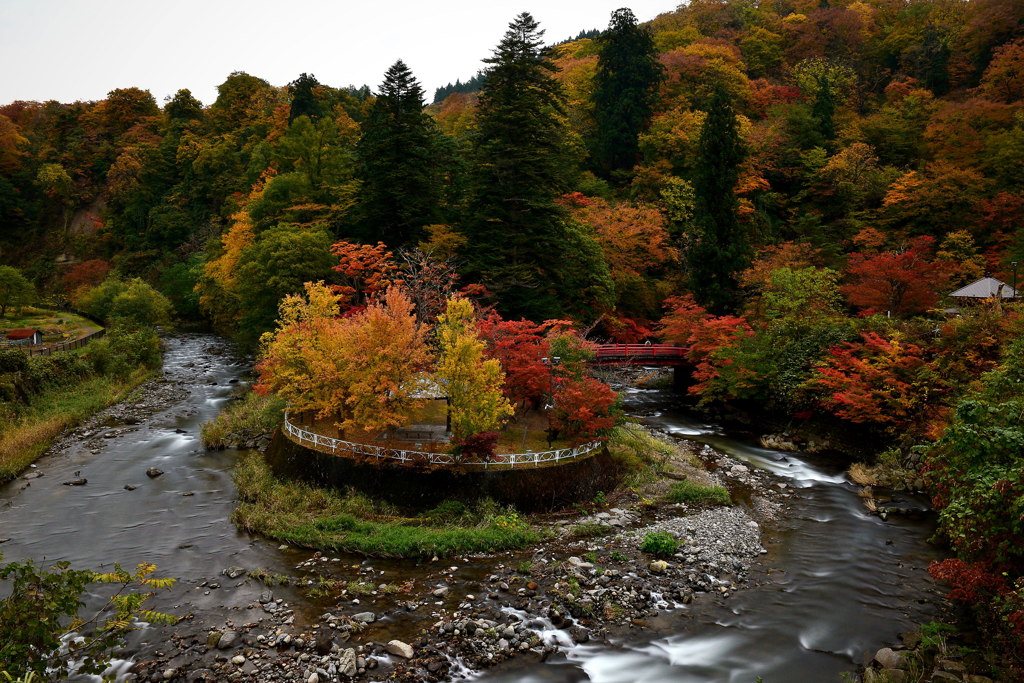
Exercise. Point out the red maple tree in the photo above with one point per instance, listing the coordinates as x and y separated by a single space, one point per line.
903 281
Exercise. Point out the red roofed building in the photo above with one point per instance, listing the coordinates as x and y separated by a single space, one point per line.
26 337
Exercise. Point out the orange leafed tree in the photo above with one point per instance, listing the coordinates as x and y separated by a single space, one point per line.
634 239
362 370
703 335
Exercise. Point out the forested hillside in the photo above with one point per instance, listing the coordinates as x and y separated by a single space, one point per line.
788 189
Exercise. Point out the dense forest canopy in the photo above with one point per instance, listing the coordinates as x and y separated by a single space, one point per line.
858 120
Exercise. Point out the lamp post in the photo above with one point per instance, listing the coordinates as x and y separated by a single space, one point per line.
551 363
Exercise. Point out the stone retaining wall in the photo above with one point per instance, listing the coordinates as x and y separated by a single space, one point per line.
528 489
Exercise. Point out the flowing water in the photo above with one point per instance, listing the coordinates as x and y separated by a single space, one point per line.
838 583
179 521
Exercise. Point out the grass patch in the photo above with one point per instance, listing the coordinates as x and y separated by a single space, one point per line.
638 452
56 410
313 517
243 420
689 492
590 530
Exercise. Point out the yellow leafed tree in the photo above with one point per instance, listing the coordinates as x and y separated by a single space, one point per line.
473 384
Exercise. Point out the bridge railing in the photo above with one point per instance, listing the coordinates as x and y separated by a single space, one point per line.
327 444
639 351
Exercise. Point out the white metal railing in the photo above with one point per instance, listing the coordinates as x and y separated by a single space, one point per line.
329 444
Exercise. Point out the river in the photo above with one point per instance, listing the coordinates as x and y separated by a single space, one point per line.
836 584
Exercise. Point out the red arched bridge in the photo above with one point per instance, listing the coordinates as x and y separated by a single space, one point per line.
640 354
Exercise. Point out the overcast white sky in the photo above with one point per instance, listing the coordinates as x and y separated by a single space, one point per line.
70 50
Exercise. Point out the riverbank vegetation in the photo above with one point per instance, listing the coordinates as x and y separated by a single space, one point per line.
42 396
315 517
307 515
789 191
245 420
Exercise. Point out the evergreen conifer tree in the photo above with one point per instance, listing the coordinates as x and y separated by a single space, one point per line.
304 100
397 162
722 248
515 229
824 110
625 89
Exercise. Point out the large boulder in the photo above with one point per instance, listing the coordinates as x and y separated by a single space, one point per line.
400 649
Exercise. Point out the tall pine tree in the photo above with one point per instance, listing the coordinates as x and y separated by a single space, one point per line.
625 90
515 229
305 100
722 248
397 162
824 110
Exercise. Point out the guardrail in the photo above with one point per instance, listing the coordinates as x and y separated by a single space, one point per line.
327 444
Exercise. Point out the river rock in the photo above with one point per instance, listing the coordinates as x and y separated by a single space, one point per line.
580 564
213 639
400 649
888 658
80 481
154 472
238 660
658 566
347 663
227 640
365 617
234 572
441 592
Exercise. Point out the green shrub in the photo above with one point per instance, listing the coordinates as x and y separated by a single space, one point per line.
13 360
447 512
689 492
131 303
659 543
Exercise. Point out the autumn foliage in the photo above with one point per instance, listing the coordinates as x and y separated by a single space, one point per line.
902 282
86 274
882 381
519 346
704 336
362 370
